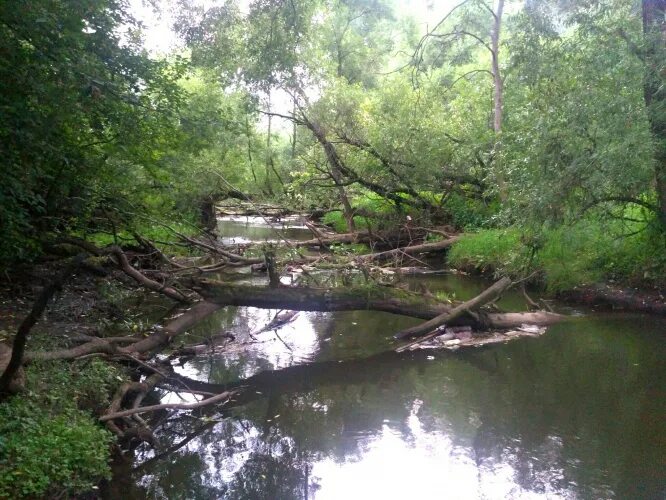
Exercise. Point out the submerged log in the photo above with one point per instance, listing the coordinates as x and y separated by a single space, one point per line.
376 298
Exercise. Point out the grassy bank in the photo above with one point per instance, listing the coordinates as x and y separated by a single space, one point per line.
568 256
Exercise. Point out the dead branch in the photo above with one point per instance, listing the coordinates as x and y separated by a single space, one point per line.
223 397
122 262
18 345
434 324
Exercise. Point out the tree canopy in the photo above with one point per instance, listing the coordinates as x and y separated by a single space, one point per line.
533 113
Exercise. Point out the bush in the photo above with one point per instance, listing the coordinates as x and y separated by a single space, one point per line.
568 256
42 453
491 250
467 212
50 442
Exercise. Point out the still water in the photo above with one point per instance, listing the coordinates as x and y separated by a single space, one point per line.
576 413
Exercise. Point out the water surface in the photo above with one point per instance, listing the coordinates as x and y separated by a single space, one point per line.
576 413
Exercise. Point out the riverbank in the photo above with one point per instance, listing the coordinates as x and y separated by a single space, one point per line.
581 264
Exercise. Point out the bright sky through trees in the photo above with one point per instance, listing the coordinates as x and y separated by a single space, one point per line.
160 39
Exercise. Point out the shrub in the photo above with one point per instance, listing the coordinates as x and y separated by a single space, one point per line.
50 442
42 453
491 250
568 256
467 212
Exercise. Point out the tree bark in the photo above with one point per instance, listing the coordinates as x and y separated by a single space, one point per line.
269 152
480 300
498 96
163 336
335 162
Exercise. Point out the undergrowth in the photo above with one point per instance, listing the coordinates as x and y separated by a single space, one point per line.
567 256
51 444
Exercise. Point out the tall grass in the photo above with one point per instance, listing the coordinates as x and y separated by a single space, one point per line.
568 256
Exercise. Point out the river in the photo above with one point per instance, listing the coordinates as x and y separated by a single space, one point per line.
576 413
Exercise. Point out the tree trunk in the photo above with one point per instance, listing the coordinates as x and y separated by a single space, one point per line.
377 298
498 96
335 162
654 29
269 153
437 246
480 300
21 337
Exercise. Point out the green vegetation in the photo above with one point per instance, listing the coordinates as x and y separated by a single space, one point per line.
539 130
50 441
112 140
567 256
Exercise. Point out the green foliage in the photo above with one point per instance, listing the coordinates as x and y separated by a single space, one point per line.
498 250
567 256
468 212
577 112
43 454
50 443
85 111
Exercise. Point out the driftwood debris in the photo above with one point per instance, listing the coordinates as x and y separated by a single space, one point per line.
433 325
455 341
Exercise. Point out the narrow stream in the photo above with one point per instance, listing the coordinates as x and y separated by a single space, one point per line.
576 413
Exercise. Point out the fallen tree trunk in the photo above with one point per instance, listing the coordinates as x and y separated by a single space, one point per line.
14 358
480 300
175 327
412 250
158 338
400 238
376 298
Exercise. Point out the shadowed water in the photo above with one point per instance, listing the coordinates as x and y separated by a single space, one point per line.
576 413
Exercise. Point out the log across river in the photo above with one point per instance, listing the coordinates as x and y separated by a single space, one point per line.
375 298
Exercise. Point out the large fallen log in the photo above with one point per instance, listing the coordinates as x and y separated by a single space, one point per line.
401 238
175 327
376 298
158 338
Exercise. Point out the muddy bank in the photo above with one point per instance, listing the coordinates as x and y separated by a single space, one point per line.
617 298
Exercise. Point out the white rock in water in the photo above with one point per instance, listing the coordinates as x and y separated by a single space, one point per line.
452 342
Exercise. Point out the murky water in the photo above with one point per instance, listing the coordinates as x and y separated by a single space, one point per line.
577 413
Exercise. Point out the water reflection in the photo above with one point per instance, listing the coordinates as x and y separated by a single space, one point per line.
254 350
576 413
235 229
328 413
